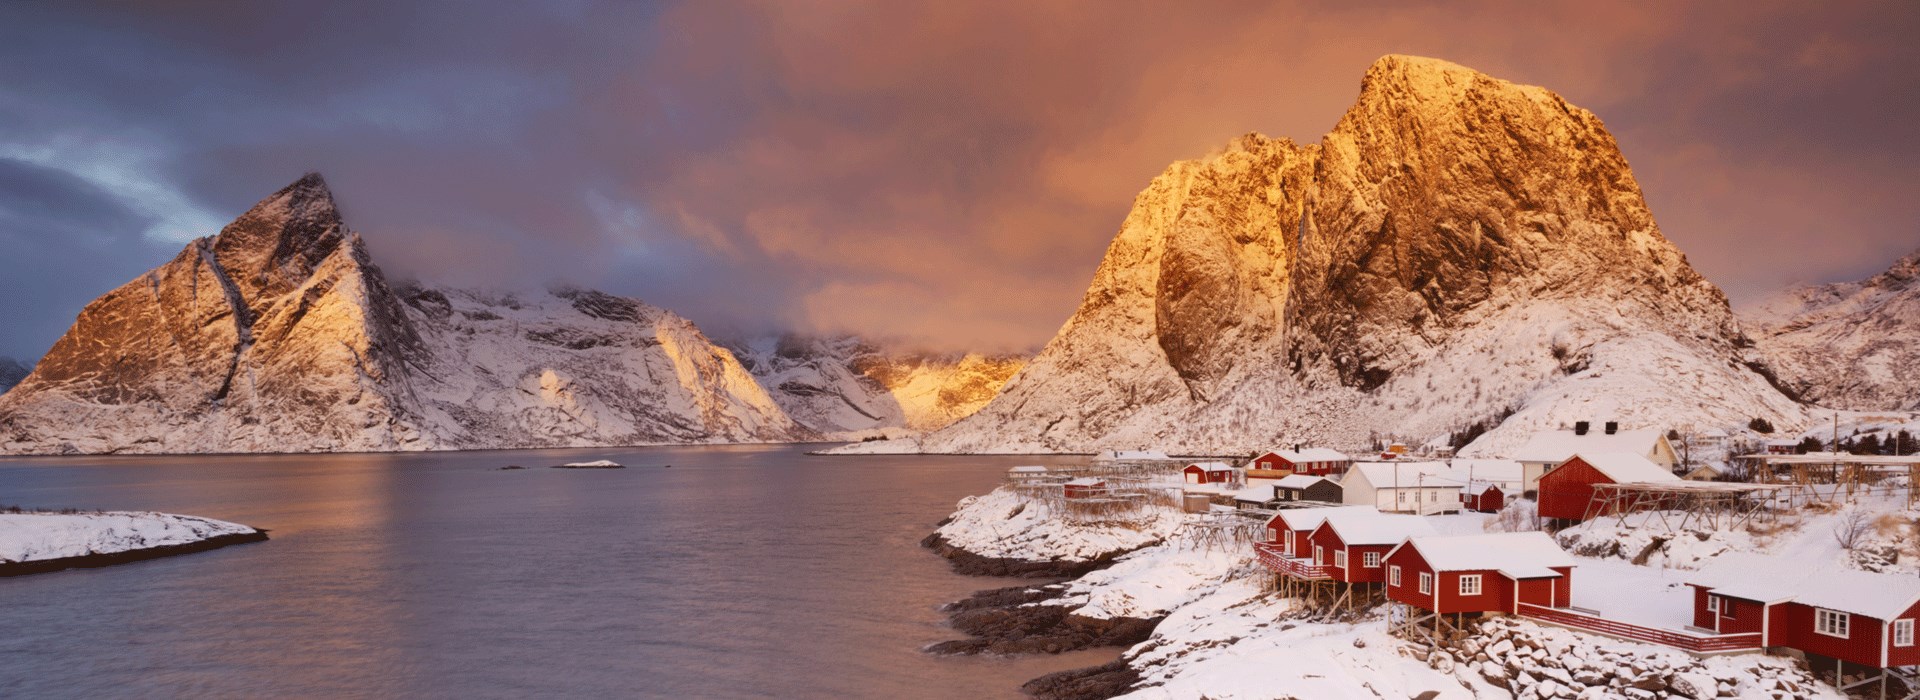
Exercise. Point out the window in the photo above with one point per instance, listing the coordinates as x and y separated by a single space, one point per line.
1273 535
1832 623
1402 495
1903 633
1713 603
1426 582
1319 555
1470 584
1370 560
1393 576
1433 496
1340 559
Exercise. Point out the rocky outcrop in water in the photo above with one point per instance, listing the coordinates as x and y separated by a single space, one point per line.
279 334
1458 247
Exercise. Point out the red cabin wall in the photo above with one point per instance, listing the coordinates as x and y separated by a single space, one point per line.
1323 537
1907 655
1862 645
1411 566
1566 491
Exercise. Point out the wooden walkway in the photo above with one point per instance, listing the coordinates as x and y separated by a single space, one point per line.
1271 557
1684 641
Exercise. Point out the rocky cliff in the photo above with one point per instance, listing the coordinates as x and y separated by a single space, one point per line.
11 372
280 334
1457 248
1853 345
849 388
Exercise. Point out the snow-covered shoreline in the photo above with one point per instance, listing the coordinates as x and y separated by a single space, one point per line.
38 542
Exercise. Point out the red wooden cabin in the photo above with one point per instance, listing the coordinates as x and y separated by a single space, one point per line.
1085 487
1315 461
1857 617
1496 572
1483 497
1355 542
1290 529
1208 473
1566 490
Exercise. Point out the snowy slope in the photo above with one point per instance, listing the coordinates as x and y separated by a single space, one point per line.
1457 247
843 385
1002 525
280 334
1852 345
44 536
11 372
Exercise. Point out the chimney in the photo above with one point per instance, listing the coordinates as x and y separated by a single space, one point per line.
1613 427
1580 427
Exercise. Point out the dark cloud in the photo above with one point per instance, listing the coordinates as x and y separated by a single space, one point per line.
943 172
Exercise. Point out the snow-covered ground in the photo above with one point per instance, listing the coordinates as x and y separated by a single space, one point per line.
1003 525
34 536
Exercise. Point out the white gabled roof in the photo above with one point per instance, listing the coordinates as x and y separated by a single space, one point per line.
1087 481
1210 466
1262 492
1298 481
1477 487
1377 528
1775 579
1504 470
1310 518
1412 474
1628 468
1516 554
1558 445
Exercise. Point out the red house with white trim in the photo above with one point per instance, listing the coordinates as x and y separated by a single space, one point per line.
1857 617
1314 461
1566 490
1208 473
1495 572
1085 487
1290 529
1354 543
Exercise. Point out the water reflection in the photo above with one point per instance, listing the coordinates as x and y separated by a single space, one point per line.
745 571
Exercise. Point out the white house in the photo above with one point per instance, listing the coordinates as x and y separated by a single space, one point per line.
1550 449
1403 486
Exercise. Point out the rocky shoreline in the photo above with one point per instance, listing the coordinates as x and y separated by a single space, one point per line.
101 559
970 564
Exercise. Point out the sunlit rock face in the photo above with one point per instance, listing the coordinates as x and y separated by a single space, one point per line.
279 334
1457 248
1853 345
843 386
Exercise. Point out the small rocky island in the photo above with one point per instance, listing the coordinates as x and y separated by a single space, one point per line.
33 542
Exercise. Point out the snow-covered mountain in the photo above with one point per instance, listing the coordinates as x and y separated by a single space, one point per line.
281 335
1456 248
847 387
1852 345
11 372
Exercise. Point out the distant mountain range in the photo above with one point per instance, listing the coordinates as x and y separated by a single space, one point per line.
1458 250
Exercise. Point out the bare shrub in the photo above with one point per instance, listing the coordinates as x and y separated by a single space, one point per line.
1851 526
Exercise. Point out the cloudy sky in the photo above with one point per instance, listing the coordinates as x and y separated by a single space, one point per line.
946 173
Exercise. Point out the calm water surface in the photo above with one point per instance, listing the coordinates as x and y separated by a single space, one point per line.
751 571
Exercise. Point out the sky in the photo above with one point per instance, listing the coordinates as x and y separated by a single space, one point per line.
943 174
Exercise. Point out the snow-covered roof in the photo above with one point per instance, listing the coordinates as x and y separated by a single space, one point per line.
1783 443
1310 518
1312 454
1412 474
1477 487
1773 579
1516 554
1087 481
1361 527
1627 467
1557 445
1027 470
1211 466
1298 481
1502 470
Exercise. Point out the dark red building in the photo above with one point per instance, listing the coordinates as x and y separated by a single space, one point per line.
1354 543
1496 572
1567 489
1483 497
1208 473
1829 613
1314 461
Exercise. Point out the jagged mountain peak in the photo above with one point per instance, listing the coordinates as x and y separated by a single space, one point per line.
1853 345
283 238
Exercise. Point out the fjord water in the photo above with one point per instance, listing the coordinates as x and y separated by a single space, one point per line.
739 571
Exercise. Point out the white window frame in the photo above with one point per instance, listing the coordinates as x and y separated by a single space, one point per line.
1393 576
1713 603
1426 583
1832 623
1370 560
1473 579
1273 535
1340 558
1319 555
1903 633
